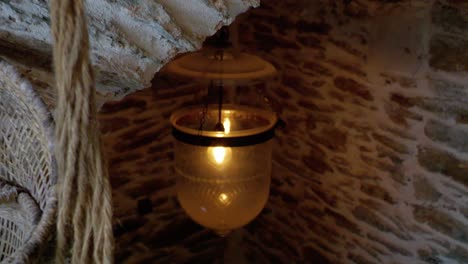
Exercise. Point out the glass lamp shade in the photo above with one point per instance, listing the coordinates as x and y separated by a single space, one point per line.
223 178
235 67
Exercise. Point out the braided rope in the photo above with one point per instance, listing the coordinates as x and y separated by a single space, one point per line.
84 197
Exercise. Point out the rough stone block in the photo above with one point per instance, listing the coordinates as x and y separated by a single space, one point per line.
443 162
442 222
399 115
448 53
332 138
429 256
113 124
424 190
391 246
377 191
450 19
343 221
391 143
449 89
462 119
353 87
311 254
368 216
401 100
270 42
446 108
458 255
304 26
453 136
310 42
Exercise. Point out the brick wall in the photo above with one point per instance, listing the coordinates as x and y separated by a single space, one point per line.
372 166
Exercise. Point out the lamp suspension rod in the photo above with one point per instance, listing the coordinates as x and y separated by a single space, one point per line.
220 103
219 126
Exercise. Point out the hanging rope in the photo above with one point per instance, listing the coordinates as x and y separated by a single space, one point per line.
84 228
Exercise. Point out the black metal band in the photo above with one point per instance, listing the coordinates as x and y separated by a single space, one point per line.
227 141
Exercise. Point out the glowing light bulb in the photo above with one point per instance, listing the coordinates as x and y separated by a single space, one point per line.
224 198
227 126
219 155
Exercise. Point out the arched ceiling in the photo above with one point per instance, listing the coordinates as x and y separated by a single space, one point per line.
130 41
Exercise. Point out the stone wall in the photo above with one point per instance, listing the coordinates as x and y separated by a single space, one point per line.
149 225
372 166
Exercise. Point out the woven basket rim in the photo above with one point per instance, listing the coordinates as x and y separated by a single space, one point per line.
40 235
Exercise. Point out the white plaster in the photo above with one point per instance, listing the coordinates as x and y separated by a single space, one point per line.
130 41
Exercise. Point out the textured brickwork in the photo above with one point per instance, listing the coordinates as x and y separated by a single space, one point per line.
372 166
149 225
387 180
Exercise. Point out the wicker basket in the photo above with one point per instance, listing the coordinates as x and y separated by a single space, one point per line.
27 172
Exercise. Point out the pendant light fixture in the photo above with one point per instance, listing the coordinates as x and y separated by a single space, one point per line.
222 150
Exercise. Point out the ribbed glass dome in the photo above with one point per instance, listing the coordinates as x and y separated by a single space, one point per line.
223 177
233 66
